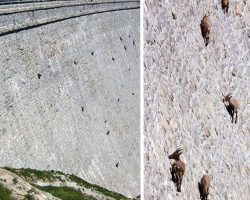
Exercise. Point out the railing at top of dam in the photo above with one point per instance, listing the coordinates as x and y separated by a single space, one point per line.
9 2
20 2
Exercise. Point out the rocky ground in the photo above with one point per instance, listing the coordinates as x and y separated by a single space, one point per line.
184 82
21 189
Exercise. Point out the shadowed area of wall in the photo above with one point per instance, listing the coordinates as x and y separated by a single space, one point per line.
184 82
69 94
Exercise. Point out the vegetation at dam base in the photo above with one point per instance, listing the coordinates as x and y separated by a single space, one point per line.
5 193
65 193
81 190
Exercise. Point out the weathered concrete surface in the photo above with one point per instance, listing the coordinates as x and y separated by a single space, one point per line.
69 99
183 102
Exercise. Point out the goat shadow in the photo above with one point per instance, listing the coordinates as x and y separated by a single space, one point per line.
173 178
200 188
229 110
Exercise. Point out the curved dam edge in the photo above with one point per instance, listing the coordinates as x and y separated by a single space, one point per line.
33 18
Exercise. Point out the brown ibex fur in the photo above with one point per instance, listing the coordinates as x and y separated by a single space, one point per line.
232 107
206 26
177 168
204 187
225 5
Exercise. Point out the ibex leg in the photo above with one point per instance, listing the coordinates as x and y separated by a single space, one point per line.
236 117
179 182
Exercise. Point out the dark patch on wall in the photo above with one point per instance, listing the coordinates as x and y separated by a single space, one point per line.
117 164
4 130
125 47
121 38
174 15
82 108
92 53
108 132
113 59
39 76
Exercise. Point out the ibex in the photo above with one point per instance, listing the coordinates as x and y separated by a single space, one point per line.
225 5
206 26
204 187
232 107
177 168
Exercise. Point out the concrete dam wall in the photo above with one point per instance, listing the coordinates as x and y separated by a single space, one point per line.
69 96
184 82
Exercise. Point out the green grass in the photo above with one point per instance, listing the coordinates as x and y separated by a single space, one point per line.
65 193
5 194
102 190
28 173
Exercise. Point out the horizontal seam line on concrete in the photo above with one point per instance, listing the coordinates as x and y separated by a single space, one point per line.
63 6
63 19
24 2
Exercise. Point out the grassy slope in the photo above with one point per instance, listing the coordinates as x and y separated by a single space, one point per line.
5 194
65 193
30 174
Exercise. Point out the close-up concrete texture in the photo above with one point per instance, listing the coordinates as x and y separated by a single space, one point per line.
184 81
69 95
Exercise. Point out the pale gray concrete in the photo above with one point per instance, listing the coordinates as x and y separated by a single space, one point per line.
69 97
